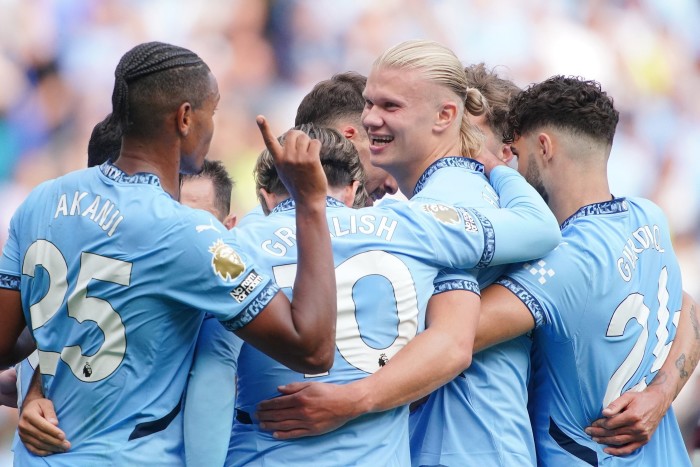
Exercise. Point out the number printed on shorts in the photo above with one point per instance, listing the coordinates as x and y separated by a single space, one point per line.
108 357
633 307
349 341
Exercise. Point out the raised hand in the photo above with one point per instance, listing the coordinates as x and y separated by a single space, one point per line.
298 163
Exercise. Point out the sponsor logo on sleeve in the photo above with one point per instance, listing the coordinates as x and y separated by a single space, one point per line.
469 222
225 261
249 284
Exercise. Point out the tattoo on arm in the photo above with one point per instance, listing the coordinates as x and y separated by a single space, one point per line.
680 364
660 378
695 355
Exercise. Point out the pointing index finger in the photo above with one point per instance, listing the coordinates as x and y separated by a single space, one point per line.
268 137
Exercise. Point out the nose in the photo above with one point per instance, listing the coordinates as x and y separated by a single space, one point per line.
370 118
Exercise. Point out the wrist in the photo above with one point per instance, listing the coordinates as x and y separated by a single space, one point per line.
361 398
664 388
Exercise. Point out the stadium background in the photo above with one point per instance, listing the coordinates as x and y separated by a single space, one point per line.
57 59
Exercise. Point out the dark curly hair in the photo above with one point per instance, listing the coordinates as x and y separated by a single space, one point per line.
569 103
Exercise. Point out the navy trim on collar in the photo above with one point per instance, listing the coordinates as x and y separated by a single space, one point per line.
289 204
607 207
451 161
113 172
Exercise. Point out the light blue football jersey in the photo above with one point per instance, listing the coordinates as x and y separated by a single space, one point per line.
606 304
114 276
386 260
480 418
211 394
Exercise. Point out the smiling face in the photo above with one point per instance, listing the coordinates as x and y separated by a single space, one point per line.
399 115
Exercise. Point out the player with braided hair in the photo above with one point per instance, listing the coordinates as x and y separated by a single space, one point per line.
112 275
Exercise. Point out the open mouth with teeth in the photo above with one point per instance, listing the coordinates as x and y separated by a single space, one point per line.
381 140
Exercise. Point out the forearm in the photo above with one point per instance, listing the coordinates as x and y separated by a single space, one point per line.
503 317
431 359
12 325
314 302
25 345
525 227
683 356
34 391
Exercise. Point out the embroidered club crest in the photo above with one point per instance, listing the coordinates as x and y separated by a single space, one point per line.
225 261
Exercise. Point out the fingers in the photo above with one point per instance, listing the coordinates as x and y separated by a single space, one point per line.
292 388
277 415
618 405
615 441
291 434
271 142
278 403
284 424
624 450
288 400
38 428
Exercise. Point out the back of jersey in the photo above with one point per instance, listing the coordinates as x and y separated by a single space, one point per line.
107 264
610 302
384 276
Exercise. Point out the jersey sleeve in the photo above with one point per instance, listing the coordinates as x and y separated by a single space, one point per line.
551 284
456 279
10 268
211 394
524 228
213 274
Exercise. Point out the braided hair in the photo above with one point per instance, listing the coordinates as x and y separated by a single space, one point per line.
105 142
153 79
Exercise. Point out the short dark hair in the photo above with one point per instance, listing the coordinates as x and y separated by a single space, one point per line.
339 159
497 91
105 142
223 184
333 99
152 79
570 103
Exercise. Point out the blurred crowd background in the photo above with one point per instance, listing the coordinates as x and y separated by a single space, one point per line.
57 60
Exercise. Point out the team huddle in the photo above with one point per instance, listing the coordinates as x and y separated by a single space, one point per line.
497 317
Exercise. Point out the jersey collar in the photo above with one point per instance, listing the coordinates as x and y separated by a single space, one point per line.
289 204
451 161
113 172
607 207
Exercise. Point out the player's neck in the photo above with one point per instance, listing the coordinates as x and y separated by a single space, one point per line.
407 177
136 156
569 194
